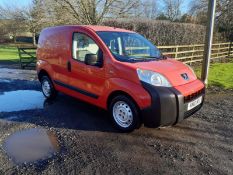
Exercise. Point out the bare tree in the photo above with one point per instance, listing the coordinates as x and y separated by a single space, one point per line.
197 6
36 18
173 9
123 8
198 9
149 9
20 19
14 20
42 13
224 14
56 14
224 17
94 11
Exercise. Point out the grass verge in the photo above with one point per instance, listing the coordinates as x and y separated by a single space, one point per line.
8 53
220 75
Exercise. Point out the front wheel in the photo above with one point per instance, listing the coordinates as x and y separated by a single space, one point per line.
124 113
48 88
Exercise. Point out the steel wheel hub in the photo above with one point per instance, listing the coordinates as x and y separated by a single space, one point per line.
46 88
122 114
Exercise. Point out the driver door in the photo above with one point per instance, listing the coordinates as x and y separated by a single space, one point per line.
86 80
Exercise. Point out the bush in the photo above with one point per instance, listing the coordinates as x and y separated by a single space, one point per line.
5 40
164 32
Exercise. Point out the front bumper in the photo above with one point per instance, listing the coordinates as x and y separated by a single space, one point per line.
168 106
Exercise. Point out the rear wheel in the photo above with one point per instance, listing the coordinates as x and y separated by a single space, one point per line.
124 113
48 88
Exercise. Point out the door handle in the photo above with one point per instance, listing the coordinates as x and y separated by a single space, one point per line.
69 66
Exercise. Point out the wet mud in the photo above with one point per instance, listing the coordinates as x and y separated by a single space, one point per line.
201 144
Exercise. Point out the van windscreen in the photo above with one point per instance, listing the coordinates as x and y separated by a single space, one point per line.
130 47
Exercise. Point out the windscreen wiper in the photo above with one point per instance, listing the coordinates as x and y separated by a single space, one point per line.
163 57
138 59
147 58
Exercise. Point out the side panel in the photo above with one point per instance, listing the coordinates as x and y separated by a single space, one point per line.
53 49
136 91
139 94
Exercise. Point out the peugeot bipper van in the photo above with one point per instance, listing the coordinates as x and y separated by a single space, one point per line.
120 71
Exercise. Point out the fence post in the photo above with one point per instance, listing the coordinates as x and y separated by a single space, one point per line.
229 52
192 55
218 51
20 58
177 49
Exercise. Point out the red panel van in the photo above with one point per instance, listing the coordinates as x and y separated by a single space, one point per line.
120 71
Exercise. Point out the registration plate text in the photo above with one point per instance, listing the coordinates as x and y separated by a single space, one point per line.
194 103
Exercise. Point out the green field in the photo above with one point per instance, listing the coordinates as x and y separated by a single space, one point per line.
220 74
8 53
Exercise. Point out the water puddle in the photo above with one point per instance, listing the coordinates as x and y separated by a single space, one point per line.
21 100
31 145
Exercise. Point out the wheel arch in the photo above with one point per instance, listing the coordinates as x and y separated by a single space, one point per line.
120 92
42 73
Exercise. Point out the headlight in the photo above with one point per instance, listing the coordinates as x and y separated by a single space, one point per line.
152 78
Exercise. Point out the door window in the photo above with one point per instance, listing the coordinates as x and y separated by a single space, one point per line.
82 45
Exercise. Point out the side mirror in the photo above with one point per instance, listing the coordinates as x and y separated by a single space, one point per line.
94 59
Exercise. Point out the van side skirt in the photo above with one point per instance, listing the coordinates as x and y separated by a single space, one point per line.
76 89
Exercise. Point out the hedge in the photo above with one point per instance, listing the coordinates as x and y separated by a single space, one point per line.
165 32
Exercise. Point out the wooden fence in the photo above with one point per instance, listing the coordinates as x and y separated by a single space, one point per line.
194 53
184 53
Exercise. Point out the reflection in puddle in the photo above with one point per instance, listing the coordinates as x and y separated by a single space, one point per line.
21 100
4 81
12 118
31 145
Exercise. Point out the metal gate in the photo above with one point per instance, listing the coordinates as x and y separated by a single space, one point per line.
27 56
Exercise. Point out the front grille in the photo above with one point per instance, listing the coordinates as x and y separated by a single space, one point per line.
194 95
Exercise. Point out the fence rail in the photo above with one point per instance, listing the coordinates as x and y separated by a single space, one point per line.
194 53
184 53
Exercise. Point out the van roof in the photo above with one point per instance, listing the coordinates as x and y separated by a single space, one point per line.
106 28
92 27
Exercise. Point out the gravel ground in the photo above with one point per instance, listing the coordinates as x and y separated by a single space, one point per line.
201 144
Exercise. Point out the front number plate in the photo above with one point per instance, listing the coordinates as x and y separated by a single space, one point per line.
194 103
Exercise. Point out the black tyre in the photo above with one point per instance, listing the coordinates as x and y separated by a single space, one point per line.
124 113
48 88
